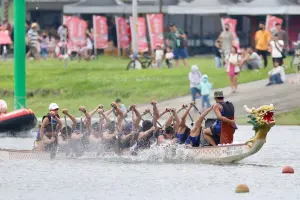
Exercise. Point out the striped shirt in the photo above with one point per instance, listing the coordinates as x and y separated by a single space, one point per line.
33 36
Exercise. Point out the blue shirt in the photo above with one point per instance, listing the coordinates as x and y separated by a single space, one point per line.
205 87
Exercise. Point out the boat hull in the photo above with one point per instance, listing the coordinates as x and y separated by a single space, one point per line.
220 154
17 121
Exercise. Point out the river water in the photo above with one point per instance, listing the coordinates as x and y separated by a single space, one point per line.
127 179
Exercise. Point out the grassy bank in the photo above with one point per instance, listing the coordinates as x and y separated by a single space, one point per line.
284 118
102 81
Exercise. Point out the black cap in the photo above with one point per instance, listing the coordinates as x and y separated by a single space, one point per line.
171 24
118 100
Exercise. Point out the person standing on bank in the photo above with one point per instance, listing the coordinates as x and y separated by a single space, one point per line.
225 115
177 40
226 38
276 47
195 77
262 39
282 35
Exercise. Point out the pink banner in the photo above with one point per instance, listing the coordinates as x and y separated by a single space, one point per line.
271 23
122 34
232 28
156 29
76 32
100 32
5 38
141 33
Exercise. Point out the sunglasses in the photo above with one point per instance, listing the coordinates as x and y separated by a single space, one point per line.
55 109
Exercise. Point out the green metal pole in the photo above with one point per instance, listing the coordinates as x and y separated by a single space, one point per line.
19 54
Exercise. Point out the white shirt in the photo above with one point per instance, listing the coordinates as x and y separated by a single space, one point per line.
169 55
278 70
159 54
279 44
89 44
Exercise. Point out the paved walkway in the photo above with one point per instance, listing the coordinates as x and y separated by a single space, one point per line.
285 97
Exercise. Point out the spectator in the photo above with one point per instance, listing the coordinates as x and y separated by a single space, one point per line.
226 37
262 39
277 74
177 40
33 40
233 68
51 43
205 88
276 46
120 105
282 35
62 32
159 56
195 80
218 53
169 57
251 60
44 46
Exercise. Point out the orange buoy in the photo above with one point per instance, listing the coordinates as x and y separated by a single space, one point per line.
287 170
241 188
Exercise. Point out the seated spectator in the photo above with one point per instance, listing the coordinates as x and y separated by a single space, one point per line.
218 53
251 60
277 74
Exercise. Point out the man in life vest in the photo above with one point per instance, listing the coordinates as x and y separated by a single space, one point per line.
50 127
3 107
225 120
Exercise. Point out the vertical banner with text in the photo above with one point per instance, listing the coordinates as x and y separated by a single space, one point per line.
100 33
141 33
122 35
156 32
271 22
76 32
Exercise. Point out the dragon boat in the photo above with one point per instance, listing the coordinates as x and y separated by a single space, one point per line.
261 118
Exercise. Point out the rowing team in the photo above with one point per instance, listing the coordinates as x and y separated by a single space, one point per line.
118 134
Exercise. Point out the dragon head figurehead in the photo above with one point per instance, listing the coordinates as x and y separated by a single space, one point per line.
262 119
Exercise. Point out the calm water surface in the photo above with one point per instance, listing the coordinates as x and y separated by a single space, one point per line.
119 179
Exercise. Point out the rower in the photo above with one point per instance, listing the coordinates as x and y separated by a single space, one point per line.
129 130
169 129
193 139
3 107
64 137
183 130
110 136
50 127
223 129
81 132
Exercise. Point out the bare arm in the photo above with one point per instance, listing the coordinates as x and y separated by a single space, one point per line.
95 110
108 112
220 117
103 115
43 125
202 116
184 116
175 119
145 133
138 117
119 114
58 126
73 119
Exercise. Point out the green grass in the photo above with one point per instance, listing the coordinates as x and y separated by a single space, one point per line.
284 118
102 81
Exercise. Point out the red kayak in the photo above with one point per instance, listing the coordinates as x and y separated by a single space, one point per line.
17 121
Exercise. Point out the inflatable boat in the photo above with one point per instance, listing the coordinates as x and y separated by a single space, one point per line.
17 121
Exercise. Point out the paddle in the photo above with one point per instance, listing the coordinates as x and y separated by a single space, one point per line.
153 118
192 124
54 144
133 140
153 140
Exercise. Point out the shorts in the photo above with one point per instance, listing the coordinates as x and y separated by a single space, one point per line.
215 134
180 53
33 50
